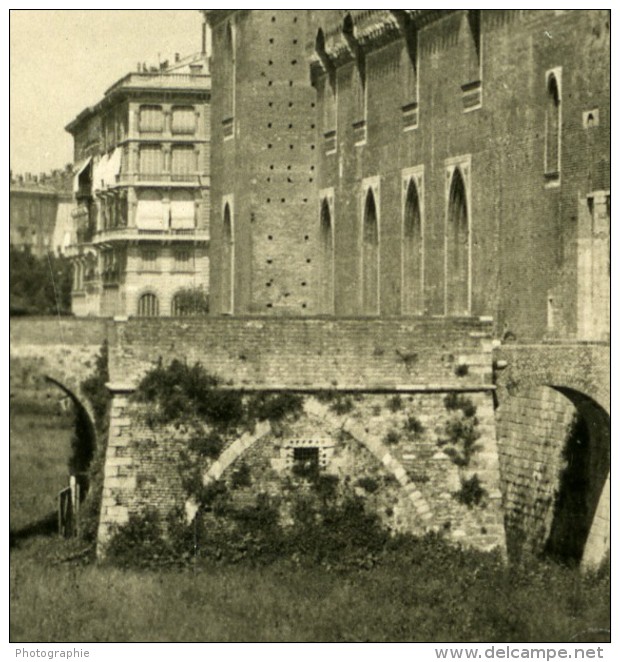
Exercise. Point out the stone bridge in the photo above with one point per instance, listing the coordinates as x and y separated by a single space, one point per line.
553 426
552 399
61 351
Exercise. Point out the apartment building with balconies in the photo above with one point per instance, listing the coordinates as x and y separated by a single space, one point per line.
141 188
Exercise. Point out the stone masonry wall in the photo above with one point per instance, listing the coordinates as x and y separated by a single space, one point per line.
534 428
363 439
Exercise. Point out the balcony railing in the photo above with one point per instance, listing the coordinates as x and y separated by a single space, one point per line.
127 234
159 80
159 178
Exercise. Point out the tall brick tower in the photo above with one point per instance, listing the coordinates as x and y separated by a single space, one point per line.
263 169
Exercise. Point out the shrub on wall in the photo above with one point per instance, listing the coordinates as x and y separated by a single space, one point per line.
184 393
94 388
471 493
191 302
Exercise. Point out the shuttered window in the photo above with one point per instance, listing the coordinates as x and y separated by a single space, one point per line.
182 210
183 119
151 119
151 160
183 161
150 211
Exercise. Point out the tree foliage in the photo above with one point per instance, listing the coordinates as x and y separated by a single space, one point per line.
39 285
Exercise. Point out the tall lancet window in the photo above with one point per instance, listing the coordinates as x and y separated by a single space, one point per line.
326 238
228 262
552 128
412 291
228 82
370 257
457 244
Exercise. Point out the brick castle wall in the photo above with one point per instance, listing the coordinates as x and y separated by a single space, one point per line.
312 353
265 170
524 228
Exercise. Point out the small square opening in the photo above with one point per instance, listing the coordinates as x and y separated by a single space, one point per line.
306 461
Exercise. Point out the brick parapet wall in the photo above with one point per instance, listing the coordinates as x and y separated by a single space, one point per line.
291 353
38 331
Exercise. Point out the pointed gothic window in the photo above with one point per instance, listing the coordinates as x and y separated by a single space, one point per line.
457 241
412 253
326 264
370 257
228 262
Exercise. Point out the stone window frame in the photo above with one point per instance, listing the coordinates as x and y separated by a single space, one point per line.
554 176
152 107
153 298
374 184
229 200
230 51
410 109
463 164
325 446
473 89
327 195
415 174
149 259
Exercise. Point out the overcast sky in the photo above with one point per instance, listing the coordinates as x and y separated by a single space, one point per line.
63 60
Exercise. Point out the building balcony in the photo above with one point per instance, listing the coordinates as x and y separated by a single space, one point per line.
140 234
160 80
169 179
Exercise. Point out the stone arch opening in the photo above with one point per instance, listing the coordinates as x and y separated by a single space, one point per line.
457 240
554 448
370 257
577 530
412 253
85 436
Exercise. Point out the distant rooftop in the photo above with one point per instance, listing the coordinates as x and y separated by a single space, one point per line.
54 182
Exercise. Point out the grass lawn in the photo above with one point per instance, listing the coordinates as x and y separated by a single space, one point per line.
40 438
443 596
54 602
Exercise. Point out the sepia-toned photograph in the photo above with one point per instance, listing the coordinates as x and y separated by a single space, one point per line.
310 329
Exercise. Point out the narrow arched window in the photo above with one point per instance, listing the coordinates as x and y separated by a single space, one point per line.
412 300
228 262
148 305
358 81
177 309
552 128
370 257
329 104
457 243
228 75
326 264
